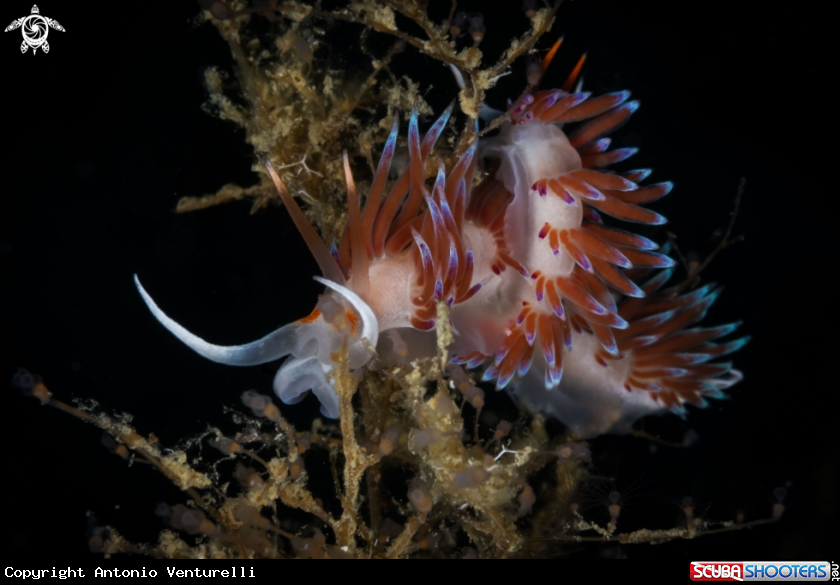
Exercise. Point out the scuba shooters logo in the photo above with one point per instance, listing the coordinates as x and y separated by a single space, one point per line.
762 571
35 29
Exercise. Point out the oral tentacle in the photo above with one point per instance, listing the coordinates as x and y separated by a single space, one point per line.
273 346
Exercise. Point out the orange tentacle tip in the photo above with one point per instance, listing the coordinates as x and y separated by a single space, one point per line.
573 76
551 53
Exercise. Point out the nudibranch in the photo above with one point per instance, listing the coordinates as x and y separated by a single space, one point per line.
569 314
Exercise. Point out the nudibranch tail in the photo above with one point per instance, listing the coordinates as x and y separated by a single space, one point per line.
670 358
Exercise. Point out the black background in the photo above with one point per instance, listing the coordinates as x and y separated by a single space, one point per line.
103 134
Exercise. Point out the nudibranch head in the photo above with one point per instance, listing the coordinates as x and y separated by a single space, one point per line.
324 332
340 317
580 327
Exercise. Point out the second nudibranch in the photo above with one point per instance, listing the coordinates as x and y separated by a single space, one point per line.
566 312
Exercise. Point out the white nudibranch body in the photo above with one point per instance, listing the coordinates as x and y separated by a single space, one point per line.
567 313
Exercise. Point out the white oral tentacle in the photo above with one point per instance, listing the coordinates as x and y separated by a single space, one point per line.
271 347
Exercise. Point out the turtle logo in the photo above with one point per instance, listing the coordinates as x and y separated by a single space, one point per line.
35 28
